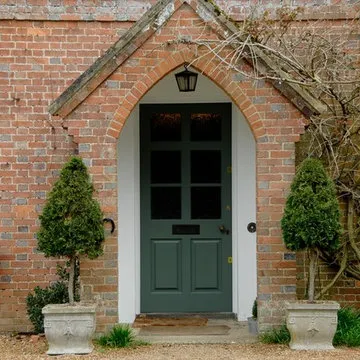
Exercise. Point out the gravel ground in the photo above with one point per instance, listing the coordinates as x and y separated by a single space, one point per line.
24 347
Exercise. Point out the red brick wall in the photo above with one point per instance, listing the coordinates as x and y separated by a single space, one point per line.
346 290
275 123
125 10
38 60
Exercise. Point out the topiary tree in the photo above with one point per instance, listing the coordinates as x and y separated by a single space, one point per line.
71 222
311 218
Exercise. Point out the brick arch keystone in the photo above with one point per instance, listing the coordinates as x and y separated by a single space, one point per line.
221 78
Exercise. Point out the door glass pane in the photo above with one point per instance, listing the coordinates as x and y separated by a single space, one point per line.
206 202
205 127
165 167
166 202
206 166
165 127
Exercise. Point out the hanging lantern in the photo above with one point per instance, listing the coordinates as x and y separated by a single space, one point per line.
186 80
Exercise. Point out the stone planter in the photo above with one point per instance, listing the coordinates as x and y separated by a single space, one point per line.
253 326
69 328
312 326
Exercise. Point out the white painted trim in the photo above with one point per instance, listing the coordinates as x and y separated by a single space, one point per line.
244 211
129 219
243 199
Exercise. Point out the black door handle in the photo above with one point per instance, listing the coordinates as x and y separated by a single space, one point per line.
224 230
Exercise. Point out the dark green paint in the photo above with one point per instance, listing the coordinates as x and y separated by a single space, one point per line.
185 273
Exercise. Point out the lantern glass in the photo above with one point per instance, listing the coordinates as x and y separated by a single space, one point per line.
186 80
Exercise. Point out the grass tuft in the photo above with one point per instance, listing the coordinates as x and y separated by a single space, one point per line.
276 336
119 336
348 329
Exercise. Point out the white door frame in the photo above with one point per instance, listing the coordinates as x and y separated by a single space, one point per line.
243 199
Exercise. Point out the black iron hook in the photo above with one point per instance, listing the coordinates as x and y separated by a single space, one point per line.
106 220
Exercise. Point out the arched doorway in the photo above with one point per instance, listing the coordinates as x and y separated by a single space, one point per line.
242 209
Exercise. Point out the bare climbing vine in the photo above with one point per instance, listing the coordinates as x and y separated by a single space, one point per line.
324 61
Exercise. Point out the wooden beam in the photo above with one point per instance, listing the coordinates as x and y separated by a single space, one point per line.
104 66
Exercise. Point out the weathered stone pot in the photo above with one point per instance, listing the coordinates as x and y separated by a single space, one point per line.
312 326
253 326
69 328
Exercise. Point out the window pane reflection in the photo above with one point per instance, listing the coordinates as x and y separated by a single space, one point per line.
205 127
165 127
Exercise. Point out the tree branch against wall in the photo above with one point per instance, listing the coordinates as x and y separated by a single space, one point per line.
324 61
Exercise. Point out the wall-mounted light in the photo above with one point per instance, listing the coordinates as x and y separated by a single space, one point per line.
186 80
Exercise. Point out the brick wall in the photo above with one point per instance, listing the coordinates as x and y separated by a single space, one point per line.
38 60
346 290
125 10
276 125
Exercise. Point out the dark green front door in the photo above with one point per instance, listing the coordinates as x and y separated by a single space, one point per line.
185 208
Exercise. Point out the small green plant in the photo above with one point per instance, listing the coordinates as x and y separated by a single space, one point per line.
57 293
119 336
254 310
348 329
276 336
53 294
311 218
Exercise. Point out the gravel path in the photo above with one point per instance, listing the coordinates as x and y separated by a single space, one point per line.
12 348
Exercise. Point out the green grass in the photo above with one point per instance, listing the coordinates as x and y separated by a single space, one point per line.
348 329
276 336
120 336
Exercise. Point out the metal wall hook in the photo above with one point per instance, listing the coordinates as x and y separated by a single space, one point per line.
106 220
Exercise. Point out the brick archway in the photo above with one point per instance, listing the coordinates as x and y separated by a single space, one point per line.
276 126
243 197
221 78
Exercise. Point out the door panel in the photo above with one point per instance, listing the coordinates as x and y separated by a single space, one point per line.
166 264
206 264
185 200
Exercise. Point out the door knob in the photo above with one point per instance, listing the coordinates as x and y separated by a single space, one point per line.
224 230
251 227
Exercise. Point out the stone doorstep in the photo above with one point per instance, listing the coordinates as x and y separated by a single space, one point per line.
215 331
211 315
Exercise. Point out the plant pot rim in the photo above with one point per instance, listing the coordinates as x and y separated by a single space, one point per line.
69 309
318 304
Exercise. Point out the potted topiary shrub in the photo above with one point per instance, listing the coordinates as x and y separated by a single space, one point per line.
252 321
70 226
311 222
